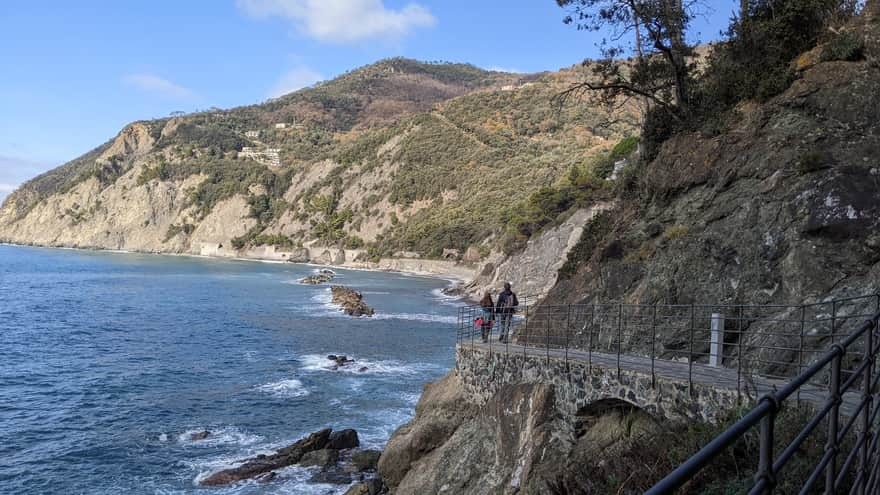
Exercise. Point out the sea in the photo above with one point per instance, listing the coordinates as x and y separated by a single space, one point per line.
109 362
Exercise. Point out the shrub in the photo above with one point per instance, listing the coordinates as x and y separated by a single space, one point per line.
845 46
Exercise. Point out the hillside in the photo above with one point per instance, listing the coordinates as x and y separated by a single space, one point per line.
395 159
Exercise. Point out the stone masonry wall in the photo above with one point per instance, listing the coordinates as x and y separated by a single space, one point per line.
577 385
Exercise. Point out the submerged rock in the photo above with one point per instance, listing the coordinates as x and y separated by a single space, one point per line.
200 435
351 301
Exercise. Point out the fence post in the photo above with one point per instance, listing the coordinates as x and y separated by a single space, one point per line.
526 336
619 335
833 320
472 328
653 344
590 344
765 459
549 319
801 348
716 351
866 411
567 325
739 345
691 352
833 420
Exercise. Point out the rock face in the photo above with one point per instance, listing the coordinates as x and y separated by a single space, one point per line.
518 442
351 301
201 183
781 208
533 272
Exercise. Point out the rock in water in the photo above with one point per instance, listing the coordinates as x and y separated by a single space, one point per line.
266 463
351 301
321 277
365 460
344 439
324 458
200 435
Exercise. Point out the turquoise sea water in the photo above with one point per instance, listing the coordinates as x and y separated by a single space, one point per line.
108 362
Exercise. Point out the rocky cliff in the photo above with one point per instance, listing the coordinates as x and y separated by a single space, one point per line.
425 163
782 206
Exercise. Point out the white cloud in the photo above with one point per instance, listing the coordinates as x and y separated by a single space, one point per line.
155 84
294 79
342 21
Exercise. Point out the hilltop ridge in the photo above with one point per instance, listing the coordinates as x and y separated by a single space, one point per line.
397 159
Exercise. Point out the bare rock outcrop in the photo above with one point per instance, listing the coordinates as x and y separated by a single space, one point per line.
517 442
320 277
287 456
351 301
331 451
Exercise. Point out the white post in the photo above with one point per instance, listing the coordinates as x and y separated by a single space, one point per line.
717 340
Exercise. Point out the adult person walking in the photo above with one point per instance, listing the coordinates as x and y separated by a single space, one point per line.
505 307
488 307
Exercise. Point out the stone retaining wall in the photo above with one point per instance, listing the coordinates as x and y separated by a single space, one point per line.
578 385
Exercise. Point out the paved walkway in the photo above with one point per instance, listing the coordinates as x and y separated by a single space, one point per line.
718 377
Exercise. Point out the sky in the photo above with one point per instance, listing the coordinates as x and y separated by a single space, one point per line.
72 74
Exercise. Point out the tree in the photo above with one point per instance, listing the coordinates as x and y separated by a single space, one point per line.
661 71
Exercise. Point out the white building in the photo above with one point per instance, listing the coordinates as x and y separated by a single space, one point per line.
281 125
252 134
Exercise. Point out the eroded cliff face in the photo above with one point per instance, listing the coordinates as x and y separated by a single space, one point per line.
517 442
782 207
398 165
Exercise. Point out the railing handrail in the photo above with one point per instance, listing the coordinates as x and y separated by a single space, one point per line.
774 336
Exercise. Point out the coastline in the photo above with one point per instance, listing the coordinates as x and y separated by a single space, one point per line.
454 273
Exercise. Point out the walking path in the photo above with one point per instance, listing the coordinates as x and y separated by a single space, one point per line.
718 377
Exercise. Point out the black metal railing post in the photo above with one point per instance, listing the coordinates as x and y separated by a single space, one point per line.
801 347
739 346
765 471
525 336
832 446
867 400
590 340
567 325
691 352
653 344
549 319
619 335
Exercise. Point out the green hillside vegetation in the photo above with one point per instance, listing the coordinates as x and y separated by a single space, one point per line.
465 158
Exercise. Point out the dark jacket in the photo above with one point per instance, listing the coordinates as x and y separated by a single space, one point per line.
507 301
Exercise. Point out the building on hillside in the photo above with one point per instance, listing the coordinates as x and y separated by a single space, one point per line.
281 125
268 156
509 87
252 134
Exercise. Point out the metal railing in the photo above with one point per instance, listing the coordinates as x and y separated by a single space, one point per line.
781 351
772 342
833 475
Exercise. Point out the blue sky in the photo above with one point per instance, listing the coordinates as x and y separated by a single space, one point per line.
74 73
